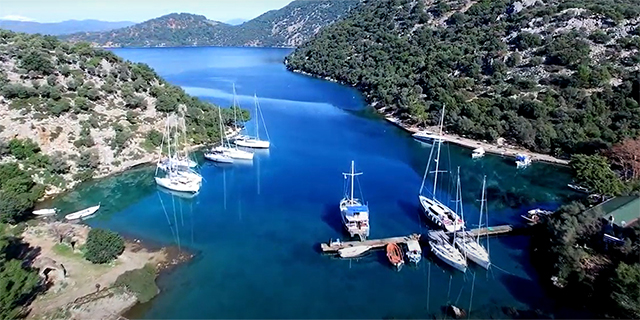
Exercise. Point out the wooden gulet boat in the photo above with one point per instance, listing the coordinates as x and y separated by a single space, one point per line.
395 256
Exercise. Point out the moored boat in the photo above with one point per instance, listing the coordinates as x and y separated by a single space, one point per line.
355 214
439 214
414 251
45 212
82 213
353 252
446 252
394 254
426 136
255 142
470 246
477 153
523 161
218 156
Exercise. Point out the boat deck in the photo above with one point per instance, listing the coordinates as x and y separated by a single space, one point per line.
434 234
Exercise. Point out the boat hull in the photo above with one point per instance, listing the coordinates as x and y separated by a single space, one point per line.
457 264
253 143
216 157
474 252
178 186
82 213
44 212
353 251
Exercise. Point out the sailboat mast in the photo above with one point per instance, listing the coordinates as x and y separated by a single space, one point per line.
255 102
221 127
458 203
235 117
484 181
352 178
435 179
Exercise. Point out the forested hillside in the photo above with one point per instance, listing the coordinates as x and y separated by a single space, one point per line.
558 77
287 27
71 112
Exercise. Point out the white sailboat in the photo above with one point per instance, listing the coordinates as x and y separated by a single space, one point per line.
434 210
470 246
255 142
225 150
355 214
177 160
219 154
446 252
176 178
82 213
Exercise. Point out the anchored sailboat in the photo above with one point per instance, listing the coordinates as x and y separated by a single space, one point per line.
434 210
255 142
444 250
470 246
225 152
177 177
355 214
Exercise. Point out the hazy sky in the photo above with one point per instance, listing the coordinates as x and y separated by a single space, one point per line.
133 10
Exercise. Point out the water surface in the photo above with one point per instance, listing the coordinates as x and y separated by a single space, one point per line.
256 227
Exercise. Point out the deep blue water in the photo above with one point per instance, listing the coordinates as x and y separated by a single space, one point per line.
256 228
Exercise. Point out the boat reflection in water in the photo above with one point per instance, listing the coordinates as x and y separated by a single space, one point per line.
183 195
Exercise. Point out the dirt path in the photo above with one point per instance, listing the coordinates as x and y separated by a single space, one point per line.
81 275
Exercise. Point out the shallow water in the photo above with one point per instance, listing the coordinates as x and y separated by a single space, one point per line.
256 227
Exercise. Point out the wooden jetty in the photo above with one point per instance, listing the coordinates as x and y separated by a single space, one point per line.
374 244
333 247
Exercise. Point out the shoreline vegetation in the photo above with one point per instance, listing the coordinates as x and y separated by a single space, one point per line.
504 150
75 288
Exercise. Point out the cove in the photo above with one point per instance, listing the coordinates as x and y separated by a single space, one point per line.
256 228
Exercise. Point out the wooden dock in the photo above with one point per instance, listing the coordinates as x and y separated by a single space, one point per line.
490 231
333 247
374 244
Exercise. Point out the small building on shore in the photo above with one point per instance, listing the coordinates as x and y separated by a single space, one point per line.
618 213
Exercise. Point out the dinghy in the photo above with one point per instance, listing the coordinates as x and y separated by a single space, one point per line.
414 252
353 251
394 254
45 212
82 213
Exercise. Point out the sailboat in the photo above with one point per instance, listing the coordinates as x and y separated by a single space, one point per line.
176 177
255 142
355 214
471 246
177 160
444 250
219 154
226 149
435 211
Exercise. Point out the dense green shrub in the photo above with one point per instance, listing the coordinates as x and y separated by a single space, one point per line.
103 246
142 282
37 61
23 148
18 192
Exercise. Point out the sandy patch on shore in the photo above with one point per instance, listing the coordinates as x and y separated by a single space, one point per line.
77 291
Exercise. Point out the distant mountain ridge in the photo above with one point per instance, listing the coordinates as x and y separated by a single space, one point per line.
289 26
64 27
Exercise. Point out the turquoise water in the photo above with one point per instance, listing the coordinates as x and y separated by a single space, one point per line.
256 228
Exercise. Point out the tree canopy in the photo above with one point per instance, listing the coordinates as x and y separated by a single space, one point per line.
103 246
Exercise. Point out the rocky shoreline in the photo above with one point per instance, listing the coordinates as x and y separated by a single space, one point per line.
502 150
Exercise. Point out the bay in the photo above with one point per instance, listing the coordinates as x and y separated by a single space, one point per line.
256 227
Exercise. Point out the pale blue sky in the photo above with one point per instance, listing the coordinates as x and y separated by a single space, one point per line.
134 10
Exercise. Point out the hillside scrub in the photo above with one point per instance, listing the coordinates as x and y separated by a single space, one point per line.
532 76
69 112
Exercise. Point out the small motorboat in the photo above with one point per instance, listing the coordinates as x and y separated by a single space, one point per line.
477 153
533 215
522 161
45 212
426 136
414 252
82 213
394 253
353 252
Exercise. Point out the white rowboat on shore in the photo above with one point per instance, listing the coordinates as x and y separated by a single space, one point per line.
82 213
